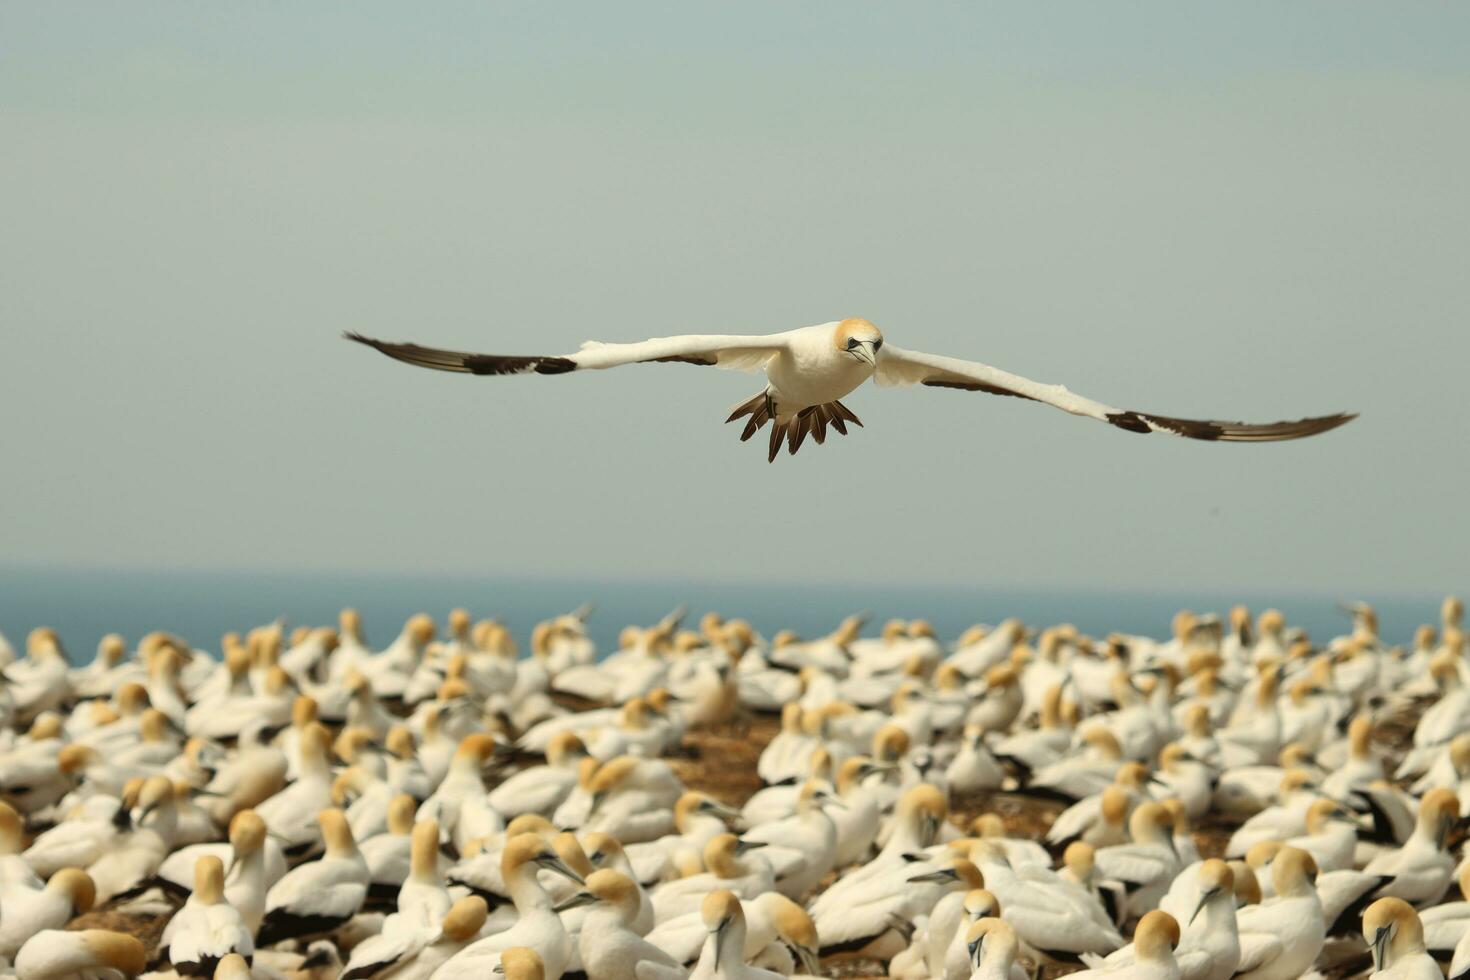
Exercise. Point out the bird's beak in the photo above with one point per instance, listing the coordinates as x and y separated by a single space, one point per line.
831 800
807 957
1380 940
944 875
866 352
722 811
720 931
576 901
742 845
560 867
1203 900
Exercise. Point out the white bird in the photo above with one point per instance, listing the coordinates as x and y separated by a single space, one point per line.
414 950
317 897
87 954
1153 944
1209 946
610 949
723 955
1396 939
537 926
809 369
25 911
207 928
1281 937
256 863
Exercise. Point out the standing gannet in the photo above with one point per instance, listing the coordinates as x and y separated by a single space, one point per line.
609 948
1281 937
317 897
723 954
254 864
87 954
207 928
537 926
803 847
808 370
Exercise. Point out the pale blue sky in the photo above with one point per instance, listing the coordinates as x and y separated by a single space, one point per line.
1244 210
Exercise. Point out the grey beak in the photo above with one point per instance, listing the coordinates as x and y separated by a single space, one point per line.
559 866
576 901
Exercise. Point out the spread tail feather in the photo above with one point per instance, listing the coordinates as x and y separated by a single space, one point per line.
813 420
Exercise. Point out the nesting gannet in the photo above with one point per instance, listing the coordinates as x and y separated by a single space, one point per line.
138 856
413 950
87 954
207 928
775 925
801 848
992 947
317 897
1153 944
808 370
730 866
25 911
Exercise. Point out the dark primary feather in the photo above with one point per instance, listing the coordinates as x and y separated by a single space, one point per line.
466 363
1216 431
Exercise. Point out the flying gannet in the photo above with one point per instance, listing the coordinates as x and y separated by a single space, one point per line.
808 370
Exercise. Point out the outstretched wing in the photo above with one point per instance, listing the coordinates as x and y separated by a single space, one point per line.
897 366
735 352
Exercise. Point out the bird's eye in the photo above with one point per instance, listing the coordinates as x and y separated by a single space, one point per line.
877 344
852 343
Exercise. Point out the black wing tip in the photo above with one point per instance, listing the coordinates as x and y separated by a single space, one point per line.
1215 431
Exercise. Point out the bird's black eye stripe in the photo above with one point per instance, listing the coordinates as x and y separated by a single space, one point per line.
852 343
877 344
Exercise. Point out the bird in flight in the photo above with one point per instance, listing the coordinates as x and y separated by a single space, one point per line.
810 369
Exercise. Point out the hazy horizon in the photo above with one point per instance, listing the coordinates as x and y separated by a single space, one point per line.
1255 211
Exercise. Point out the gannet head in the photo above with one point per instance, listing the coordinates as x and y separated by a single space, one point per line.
858 339
609 887
232 967
531 851
1438 811
522 963
117 950
1215 878
1156 936
1391 924
990 933
209 879
247 835
720 910
464 918
77 886
794 927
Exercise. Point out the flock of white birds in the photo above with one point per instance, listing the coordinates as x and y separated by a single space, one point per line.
303 805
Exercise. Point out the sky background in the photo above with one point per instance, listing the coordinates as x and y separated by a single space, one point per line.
1253 210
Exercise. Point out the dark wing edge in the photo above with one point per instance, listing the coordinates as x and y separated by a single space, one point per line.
1216 431
465 363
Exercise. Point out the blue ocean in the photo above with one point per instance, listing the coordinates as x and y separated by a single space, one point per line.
83 605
